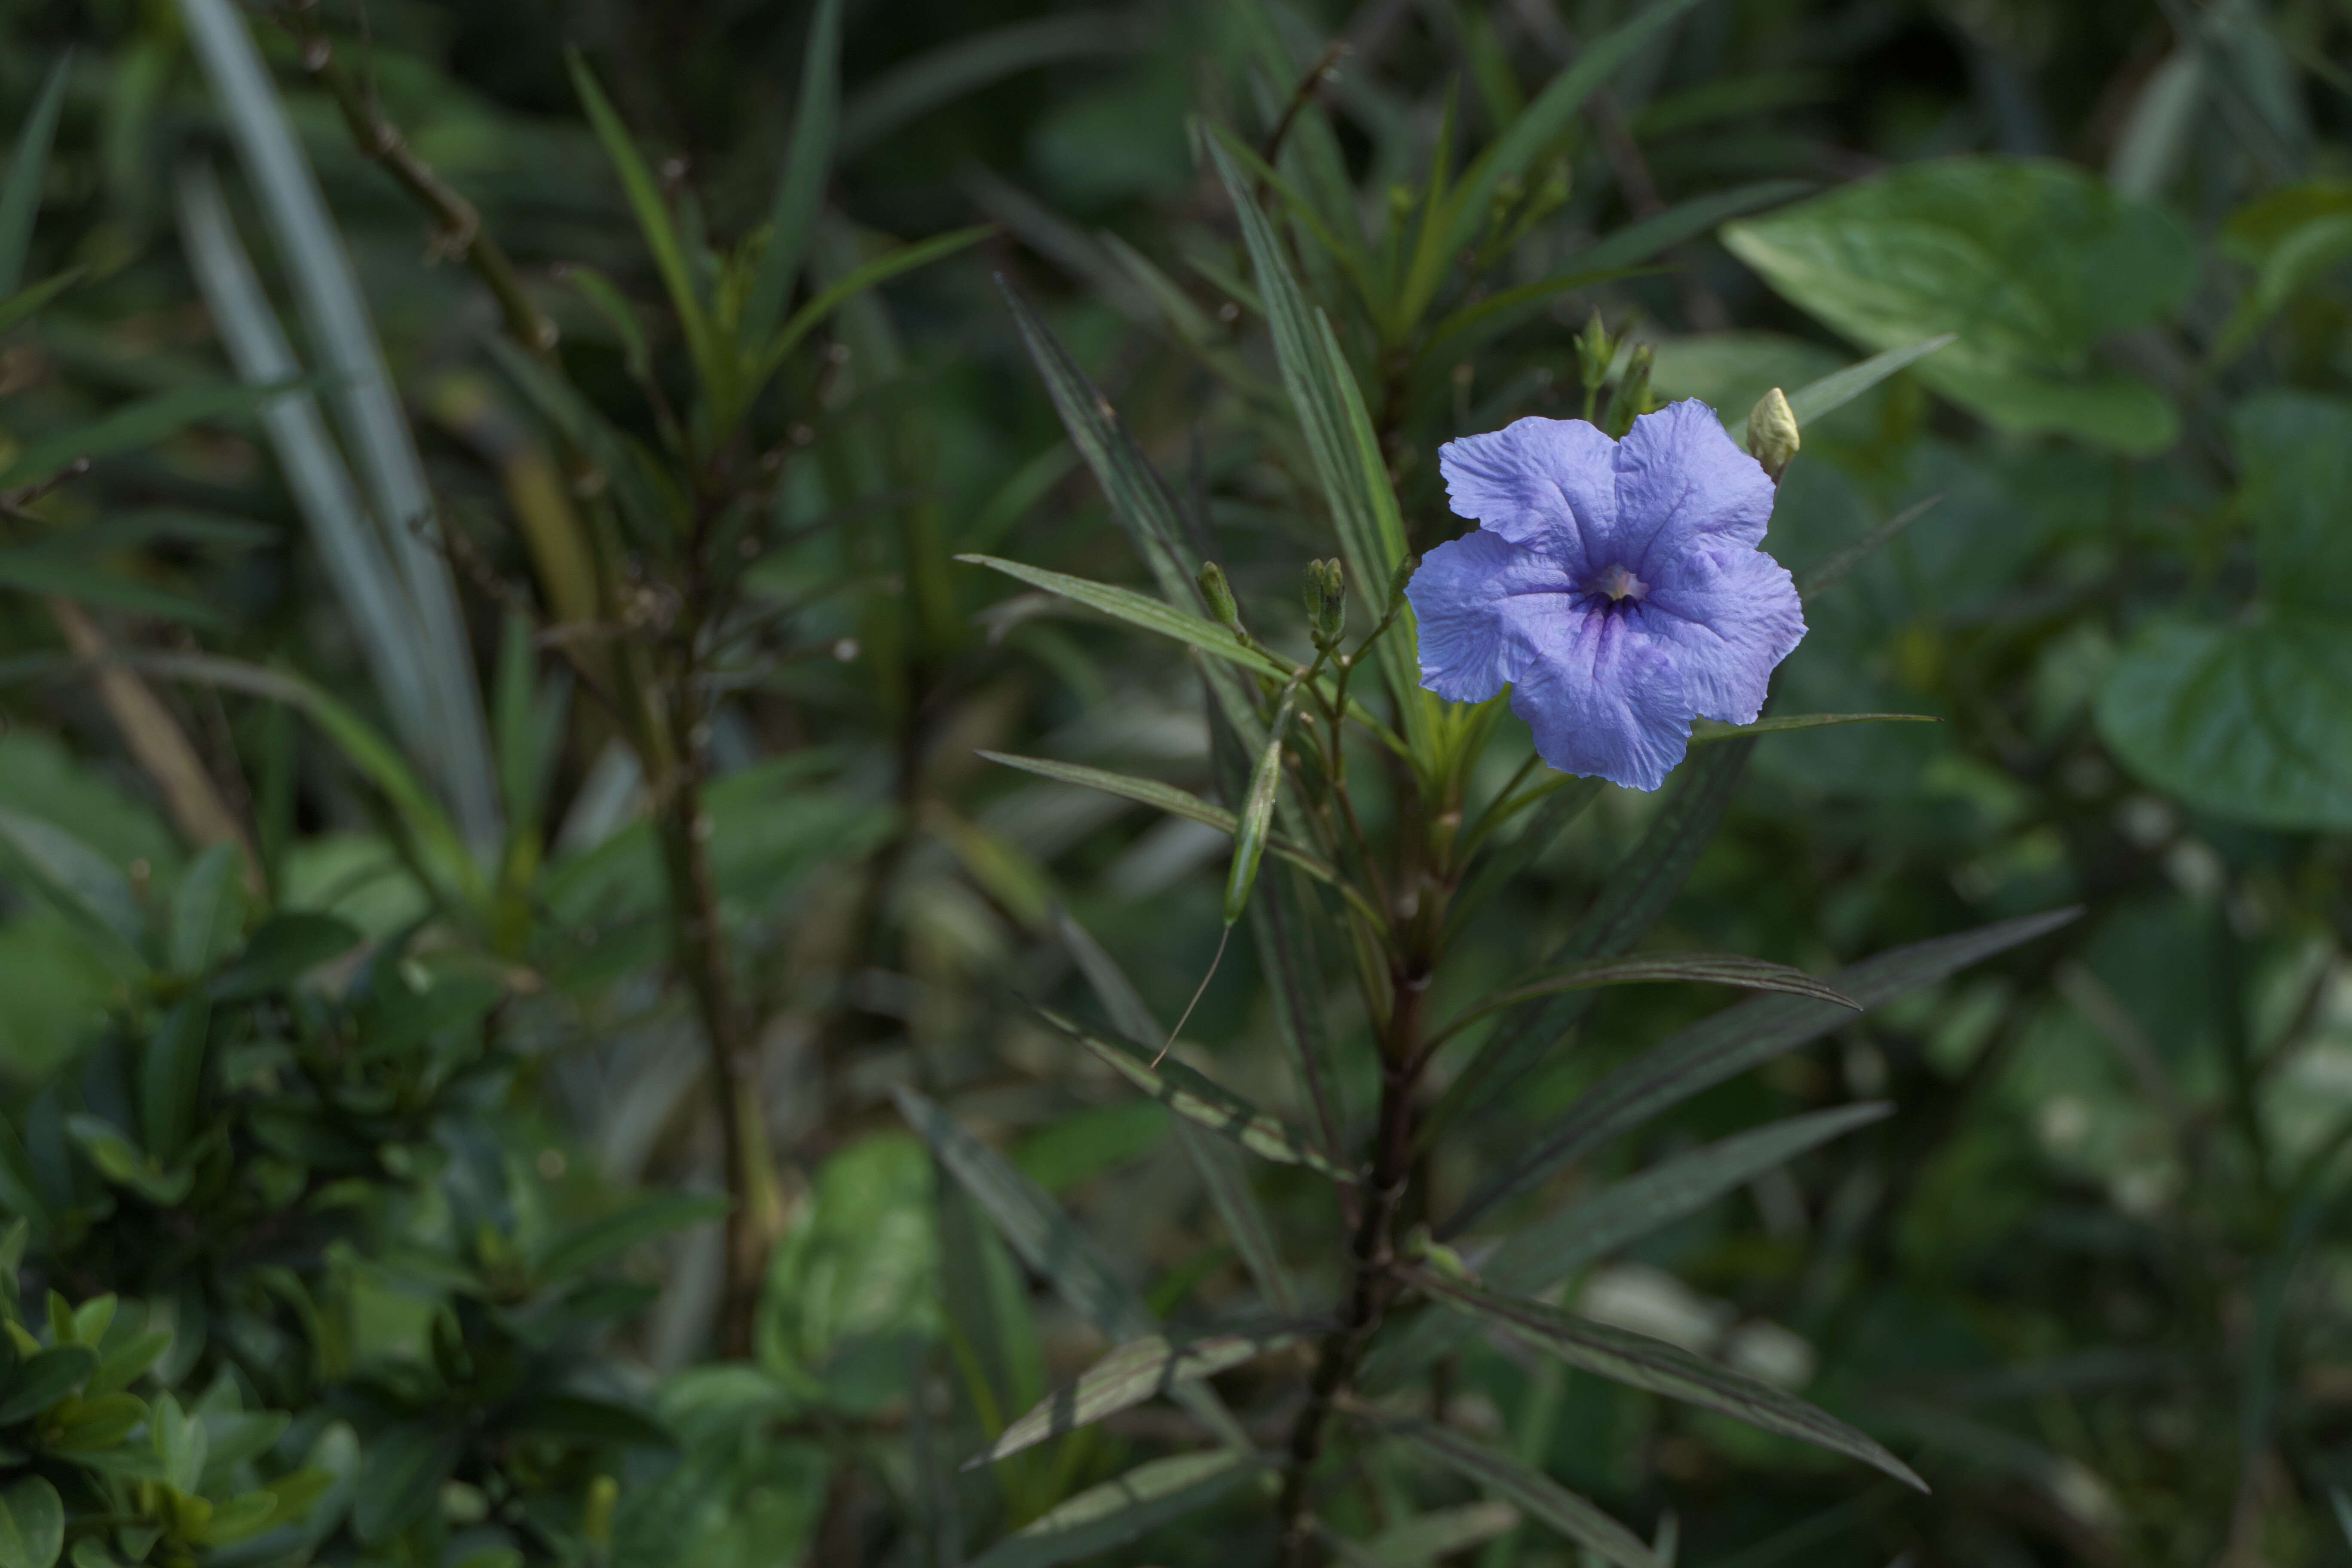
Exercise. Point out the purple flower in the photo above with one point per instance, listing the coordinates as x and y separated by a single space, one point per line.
1615 587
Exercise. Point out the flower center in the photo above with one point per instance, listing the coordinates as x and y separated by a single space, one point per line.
1618 584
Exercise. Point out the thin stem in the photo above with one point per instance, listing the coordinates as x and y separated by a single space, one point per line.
1200 991
461 235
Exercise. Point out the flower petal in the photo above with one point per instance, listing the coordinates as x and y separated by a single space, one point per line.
1730 616
1607 700
1486 606
1536 481
1682 485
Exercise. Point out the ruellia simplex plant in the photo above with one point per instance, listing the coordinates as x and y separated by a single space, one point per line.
1615 583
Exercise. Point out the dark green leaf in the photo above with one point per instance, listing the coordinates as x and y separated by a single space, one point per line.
1654 1366
1707 730
400 1478
20 194
43 1378
171 1078
791 217
577 1418
602 1240
1531 1491
1140 610
79 879
32 1524
1135 1371
1732 1041
281 951
1162 797
134 426
1116 1512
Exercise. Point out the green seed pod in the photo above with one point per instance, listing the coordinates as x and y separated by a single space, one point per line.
1257 811
1329 607
1594 350
1632 399
1772 433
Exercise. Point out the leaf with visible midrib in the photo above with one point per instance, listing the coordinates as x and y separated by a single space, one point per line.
1536 1494
1654 1366
1120 1509
2031 261
1128 1376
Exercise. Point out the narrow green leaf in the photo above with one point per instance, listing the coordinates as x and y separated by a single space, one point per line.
1140 610
873 274
660 233
1654 1366
601 1240
912 90
1705 729
207 908
1707 968
1428 1539
1256 819
1837 389
1531 1491
1730 1042
1126 1377
132 426
791 217
1590 1227
171 1078
1157 1492
284 949
29 168
21 305
1453 226
1834 570
1200 1100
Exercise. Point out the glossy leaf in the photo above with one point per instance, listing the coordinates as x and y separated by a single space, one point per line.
1135 1371
32 1524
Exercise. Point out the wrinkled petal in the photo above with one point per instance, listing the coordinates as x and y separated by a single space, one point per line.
1606 701
1682 486
1485 605
1730 615
1548 482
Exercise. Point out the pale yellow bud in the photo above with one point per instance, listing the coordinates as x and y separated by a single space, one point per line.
1772 433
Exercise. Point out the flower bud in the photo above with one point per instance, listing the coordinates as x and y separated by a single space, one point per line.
1327 601
1633 397
1220 594
1593 352
1772 433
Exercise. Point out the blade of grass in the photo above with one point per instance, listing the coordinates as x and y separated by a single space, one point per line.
29 168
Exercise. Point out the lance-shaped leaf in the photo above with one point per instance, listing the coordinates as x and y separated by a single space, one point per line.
1431 1537
1140 610
1219 1165
1734 1040
1840 388
1128 1376
1636 893
1707 968
1044 1238
1163 798
1592 1226
1705 729
815 118
1255 824
1535 1494
20 192
1200 1098
1654 1366
1120 1509
85 884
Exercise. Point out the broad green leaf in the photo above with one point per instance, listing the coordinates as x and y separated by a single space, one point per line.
1535 1259
401 1478
1128 1376
605 1238
808 160
283 949
1154 1493
2031 262
20 193
1199 1099
1654 1366
1531 1491
81 880
1140 610
181 1442
1732 1041
41 1379
850 1289
32 1524
2252 718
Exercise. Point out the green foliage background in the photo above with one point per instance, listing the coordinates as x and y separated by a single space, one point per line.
534 1028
